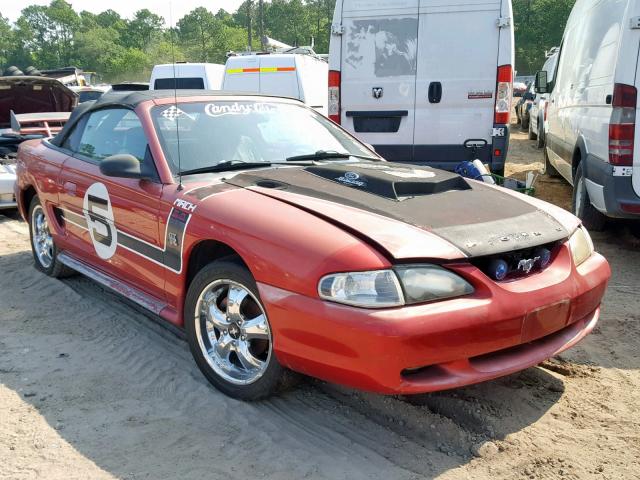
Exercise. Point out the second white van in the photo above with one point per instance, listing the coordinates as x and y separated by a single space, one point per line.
192 76
418 78
294 75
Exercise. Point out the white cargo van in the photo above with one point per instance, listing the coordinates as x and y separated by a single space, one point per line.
298 76
417 78
592 110
537 114
198 76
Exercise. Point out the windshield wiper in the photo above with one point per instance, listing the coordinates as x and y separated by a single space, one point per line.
327 154
226 166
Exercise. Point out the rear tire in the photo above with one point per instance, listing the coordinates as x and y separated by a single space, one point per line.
524 124
591 218
229 334
45 252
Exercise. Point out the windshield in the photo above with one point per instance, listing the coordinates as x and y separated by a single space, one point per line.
211 133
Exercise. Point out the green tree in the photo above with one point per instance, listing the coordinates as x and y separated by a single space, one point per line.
47 33
539 25
6 41
205 37
143 29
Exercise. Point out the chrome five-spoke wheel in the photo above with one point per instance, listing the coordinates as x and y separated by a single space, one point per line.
233 332
42 240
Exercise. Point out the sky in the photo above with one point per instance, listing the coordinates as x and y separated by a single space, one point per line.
11 8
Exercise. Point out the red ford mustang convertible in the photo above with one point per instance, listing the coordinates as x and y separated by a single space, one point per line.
282 244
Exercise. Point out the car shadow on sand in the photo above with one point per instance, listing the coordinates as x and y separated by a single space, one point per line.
125 394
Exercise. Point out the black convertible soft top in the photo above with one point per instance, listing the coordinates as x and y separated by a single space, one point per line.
131 99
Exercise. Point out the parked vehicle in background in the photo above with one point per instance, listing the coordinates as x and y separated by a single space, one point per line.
190 76
409 78
7 183
300 76
519 88
130 87
523 106
94 92
537 114
592 110
25 126
33 94
30 107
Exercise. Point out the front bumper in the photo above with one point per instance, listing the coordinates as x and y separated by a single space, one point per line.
502 328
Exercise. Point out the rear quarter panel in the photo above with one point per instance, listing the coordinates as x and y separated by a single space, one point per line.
38 166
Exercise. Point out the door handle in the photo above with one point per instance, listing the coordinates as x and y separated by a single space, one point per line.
435 92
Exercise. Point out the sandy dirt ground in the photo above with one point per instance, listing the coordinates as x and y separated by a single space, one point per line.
92 388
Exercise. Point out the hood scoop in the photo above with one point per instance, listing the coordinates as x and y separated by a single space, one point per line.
390 180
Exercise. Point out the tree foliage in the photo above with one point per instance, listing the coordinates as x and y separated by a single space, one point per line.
539 25
54 35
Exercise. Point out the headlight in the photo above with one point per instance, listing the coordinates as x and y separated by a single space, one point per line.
391 288
425 283
581 246
376 289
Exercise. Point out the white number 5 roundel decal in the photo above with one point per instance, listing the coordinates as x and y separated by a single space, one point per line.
99 215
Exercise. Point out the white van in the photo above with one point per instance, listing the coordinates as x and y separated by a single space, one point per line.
592 110
197 76
537 114
418 78
298 76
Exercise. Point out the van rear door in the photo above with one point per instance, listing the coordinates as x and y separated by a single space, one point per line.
458 46
242 74
378 68
278 75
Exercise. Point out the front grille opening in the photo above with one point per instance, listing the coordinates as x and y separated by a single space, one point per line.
520 263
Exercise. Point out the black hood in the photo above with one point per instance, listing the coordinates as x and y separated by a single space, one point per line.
476 218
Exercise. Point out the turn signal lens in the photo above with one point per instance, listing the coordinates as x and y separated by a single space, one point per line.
581 246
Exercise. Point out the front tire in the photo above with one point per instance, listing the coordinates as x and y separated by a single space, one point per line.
548 168
591 218
229 334
45 251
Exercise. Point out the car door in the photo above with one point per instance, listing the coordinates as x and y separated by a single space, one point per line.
114 220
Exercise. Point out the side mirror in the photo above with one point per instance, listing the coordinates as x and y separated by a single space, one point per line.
122 166
542 84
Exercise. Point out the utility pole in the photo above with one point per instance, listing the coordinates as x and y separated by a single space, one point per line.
249 11
261 24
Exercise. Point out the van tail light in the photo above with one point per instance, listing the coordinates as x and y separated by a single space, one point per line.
334 96
622 125
504 92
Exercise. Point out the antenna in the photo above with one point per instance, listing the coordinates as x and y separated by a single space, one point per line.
175 98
